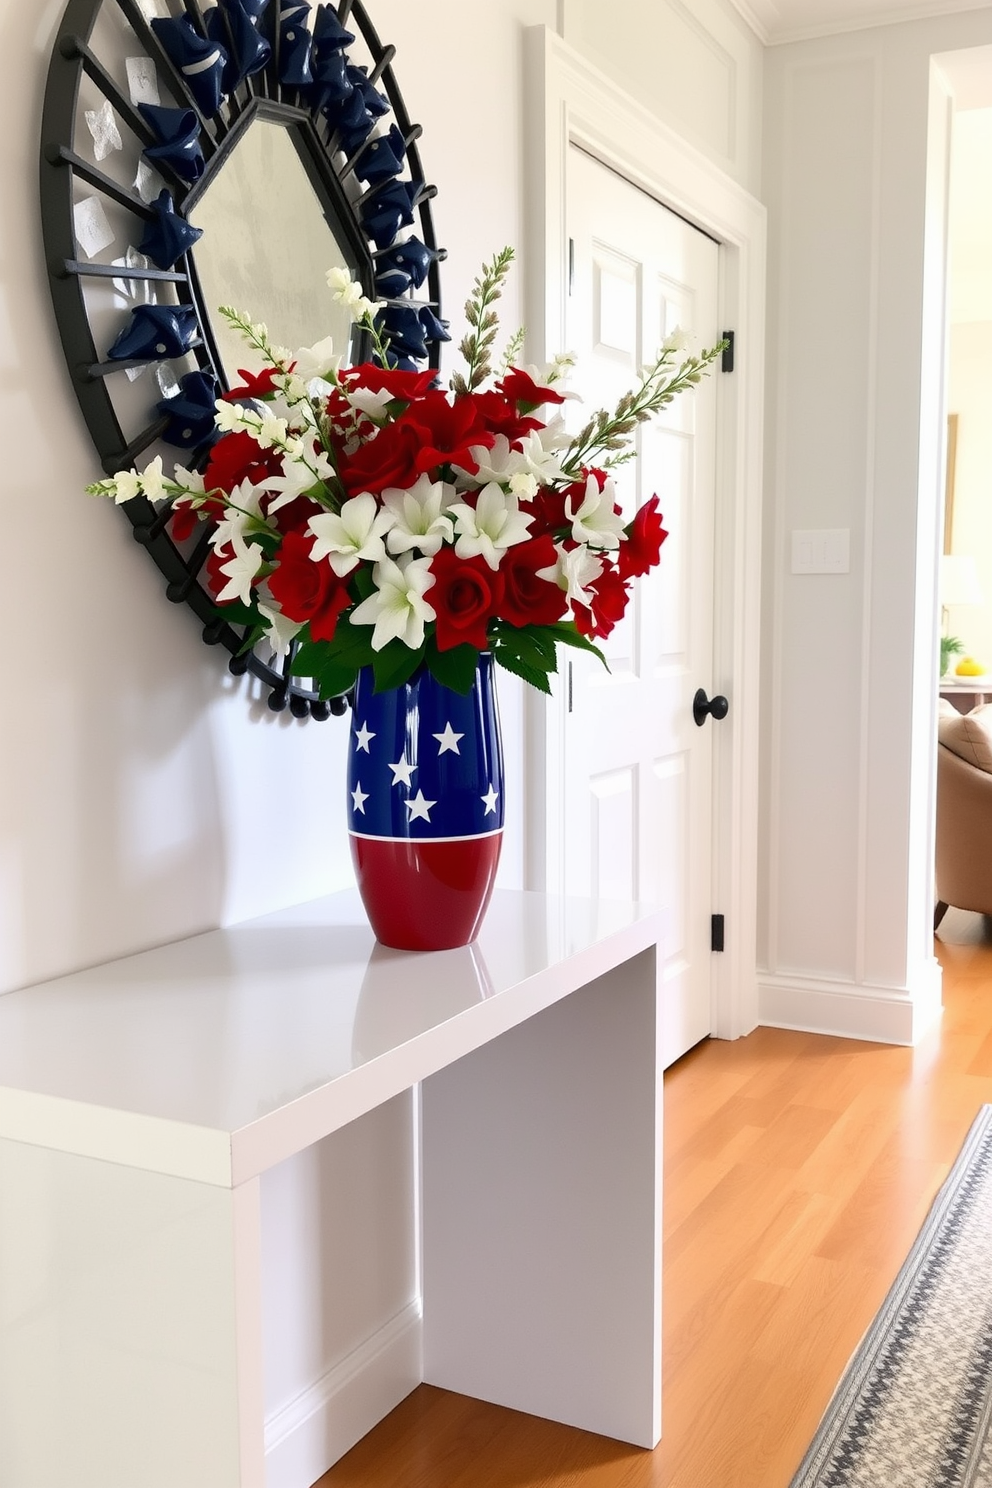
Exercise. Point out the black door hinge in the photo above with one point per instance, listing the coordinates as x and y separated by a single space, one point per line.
716 932
727 359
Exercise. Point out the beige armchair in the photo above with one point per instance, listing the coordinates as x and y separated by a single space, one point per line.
964 811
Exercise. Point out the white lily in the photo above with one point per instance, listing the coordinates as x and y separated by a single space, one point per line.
245 504
594 520
494 524
315 361
240 570
302 470
353 536
573 572
191 480
398 609
282 631
420 516
372 404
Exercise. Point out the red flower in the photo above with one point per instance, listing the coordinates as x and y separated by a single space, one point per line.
548 507
520 387
609 603
183 522
256 384
500 416
308 591
446 431
238 457
528 599
215 579
465 595
390 459
406 386
294 516
645 536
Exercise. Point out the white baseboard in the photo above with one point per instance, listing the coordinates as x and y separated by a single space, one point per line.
326 1420
884 1015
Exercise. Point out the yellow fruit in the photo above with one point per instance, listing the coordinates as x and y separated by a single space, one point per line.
969 667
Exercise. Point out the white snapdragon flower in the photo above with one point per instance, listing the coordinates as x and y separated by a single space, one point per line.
676 340
573 571
593 519
494 524
153 480
282 631
353 536
373 405
192 480
269 430
126 484
398 609
240 570
229 417
348 293
524 485
420 516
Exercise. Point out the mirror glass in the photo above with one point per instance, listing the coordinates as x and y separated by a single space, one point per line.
266 248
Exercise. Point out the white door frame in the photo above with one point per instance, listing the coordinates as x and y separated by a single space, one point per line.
569 101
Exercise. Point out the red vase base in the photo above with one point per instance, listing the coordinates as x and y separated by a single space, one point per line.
426 896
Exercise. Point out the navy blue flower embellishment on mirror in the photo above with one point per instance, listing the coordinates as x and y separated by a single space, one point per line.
294 47
155 332
178 130
168 236
190 412
201 61
233 25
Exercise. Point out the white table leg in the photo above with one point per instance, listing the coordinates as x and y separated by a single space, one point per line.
542 1213
129 1327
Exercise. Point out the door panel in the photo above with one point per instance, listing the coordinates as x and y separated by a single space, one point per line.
637 771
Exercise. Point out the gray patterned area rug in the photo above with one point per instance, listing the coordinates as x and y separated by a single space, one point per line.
914 1407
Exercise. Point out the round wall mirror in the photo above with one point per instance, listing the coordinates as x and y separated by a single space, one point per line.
194 157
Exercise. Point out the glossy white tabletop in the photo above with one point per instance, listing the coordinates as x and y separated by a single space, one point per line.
216 1057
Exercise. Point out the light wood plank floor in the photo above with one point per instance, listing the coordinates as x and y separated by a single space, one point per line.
798 1171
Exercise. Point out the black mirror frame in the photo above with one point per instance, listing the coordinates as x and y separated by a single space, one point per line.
260 95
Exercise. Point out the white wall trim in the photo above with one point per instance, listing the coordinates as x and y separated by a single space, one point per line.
883 1015
331 1415
570 101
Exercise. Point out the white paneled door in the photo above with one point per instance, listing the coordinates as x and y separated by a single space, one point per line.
637 777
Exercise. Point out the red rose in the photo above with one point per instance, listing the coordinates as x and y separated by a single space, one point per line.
257 384
548 507
390 459
645 535
238 457
610 596
308 591
500 416
465 595
446 431
528 599
520 387
294 516
406 386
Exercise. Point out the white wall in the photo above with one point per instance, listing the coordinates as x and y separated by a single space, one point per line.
970 397
846 799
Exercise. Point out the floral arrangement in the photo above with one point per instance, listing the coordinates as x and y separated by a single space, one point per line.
363 516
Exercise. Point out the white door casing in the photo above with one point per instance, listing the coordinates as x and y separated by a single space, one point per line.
637 771
570 102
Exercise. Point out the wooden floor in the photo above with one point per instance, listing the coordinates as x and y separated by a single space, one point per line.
798 1170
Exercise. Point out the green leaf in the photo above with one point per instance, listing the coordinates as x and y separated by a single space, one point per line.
239 614
336 679
394 665
519 668
566 633
455 668
528 646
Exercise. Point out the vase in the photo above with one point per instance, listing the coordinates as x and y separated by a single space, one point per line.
425 807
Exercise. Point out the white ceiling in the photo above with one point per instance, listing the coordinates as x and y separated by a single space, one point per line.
794 20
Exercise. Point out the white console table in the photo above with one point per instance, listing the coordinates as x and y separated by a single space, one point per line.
143 1102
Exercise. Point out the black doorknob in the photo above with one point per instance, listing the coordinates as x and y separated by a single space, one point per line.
702 706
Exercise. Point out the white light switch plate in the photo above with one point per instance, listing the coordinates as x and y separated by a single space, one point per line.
827 551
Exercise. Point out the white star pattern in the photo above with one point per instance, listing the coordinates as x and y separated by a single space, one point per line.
448 740
359 797
489 800
418 806
364 738
402 770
